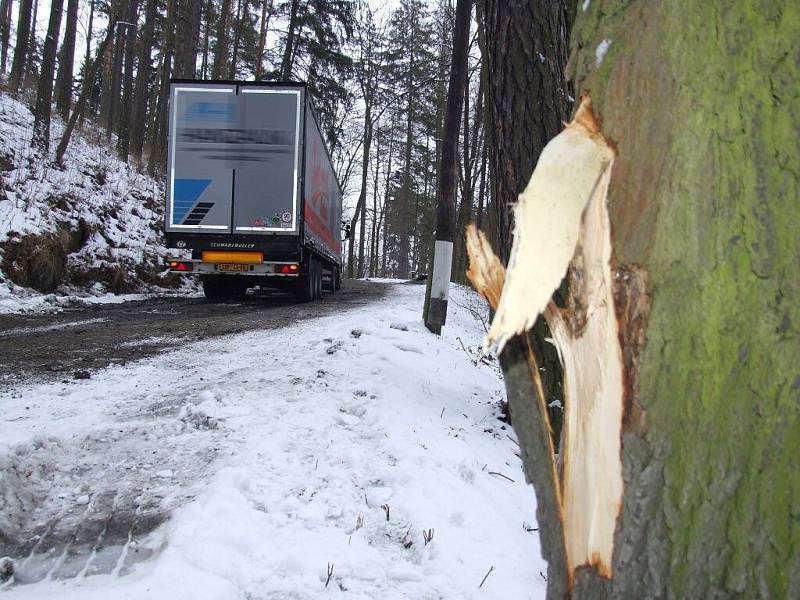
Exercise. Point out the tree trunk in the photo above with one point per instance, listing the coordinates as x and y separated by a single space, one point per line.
387 186
266 13
515 39
404 197
31 77
373 246
457 93
89 32
361 208
141 87
5 32
187 34
158 130
124 120
44 93
206 35
465 207
703 205
21 47
482 189
528 101
241 11
66 62
221 51
90 73
288 49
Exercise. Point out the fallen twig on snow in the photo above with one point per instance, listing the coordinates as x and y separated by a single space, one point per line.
485 576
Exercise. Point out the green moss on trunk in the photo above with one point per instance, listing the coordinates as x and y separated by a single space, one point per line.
703 101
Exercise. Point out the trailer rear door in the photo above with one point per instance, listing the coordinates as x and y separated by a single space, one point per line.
266 162
233 158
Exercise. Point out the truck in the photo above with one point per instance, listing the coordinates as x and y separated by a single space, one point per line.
251 191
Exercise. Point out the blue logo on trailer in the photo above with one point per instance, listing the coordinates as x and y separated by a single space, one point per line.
211 111
184 197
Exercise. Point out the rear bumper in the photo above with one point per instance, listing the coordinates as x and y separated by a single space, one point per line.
199 267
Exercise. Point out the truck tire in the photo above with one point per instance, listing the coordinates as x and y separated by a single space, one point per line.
305 288
330 284
317 279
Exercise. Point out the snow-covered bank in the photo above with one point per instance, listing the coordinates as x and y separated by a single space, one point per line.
281 454
89 230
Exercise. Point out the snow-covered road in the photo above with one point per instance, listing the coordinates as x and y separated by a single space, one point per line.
255 465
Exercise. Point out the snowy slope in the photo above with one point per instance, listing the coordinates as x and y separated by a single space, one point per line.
275 453
112 212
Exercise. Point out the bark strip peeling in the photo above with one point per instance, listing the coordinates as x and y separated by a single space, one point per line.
548 222
562 222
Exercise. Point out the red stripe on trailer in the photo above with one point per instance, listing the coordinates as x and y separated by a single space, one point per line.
320 229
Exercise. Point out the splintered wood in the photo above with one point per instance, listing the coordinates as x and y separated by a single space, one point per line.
561 223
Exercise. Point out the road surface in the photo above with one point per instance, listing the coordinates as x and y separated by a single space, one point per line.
77 341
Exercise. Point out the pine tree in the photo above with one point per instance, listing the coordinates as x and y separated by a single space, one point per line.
141 86
44 93
66 62
221 47
5 33
22 46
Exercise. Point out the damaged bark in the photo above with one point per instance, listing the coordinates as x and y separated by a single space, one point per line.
562 222
694 309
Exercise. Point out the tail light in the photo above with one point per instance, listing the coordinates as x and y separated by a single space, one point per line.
289 269
177 265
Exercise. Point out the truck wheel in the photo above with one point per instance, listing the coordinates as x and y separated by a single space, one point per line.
317 279
330 284
304 288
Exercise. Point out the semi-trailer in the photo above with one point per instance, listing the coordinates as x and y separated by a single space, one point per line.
251 191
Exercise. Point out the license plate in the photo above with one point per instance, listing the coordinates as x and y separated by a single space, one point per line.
230 267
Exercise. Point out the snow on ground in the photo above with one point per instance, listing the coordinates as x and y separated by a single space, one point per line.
280 455
112 213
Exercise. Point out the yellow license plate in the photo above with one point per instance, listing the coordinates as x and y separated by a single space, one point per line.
229 267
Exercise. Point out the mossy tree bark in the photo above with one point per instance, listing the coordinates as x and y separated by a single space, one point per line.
703 102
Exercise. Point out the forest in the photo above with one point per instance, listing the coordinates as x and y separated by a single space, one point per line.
619 182
378 78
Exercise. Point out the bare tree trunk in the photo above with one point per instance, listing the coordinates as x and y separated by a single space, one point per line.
124 119
187 14
373 247
288 49
90 73
22 45
465 207
387 185
457 91
31 76
158 140
241 11
138 113
479 214
66 62
516 38
221 51
206 36
44 93
5 33
89 32
266 13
